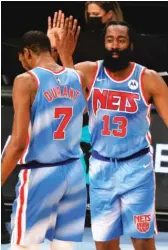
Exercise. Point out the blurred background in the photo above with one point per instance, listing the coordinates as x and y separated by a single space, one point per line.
18 17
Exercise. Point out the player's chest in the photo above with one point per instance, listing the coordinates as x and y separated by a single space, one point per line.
116 99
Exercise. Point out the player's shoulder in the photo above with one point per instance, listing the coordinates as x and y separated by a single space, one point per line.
23 80
85 65
24 76
152 80
150 73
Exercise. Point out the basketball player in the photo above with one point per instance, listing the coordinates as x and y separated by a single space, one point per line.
48 112
122 185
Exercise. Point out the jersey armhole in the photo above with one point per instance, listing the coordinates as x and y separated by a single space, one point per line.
37 82
142 87
93 80
79 76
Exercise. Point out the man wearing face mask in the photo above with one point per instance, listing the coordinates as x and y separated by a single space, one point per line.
122 186
97 14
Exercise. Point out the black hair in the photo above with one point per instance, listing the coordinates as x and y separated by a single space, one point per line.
131 31
35 40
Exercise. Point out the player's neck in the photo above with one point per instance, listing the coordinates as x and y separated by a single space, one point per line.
123 73
46 61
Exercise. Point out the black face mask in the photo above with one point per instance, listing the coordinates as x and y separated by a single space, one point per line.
95 24
116 64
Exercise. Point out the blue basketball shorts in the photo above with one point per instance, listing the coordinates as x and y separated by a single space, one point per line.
50 204
122 198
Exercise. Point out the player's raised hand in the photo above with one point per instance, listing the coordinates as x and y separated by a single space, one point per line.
73 30
55 26
66 44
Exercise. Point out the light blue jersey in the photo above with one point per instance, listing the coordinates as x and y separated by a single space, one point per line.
118 114
56 113
122 186
51 201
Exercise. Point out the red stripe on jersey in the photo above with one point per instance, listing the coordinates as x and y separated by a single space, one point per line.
22 201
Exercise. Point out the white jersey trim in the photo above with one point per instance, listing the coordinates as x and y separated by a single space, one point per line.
141 87
35 76
53 72
125 79
94 79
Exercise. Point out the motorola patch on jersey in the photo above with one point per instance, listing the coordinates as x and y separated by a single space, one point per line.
133 84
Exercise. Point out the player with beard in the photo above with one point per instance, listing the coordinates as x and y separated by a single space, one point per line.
122 186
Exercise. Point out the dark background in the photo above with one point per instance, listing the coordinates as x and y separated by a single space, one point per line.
19 17
149 18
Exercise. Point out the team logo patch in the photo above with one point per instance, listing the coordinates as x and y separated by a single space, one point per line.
142 222
133 84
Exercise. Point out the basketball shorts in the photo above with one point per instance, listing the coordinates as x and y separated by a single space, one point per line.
122 198
50 204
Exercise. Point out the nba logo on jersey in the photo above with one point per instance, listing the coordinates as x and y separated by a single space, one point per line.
133 84
60 82
142 222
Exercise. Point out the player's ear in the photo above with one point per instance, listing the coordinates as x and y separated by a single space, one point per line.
28 53
20 56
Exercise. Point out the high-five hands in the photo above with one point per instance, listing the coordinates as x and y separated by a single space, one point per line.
57 26
63 34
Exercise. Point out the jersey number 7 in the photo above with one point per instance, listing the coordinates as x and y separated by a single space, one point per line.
66 114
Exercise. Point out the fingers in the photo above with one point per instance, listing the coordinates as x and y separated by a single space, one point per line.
66 25
77 33
70 24
58 20
58 23
74 27
62 21
49 23
55 19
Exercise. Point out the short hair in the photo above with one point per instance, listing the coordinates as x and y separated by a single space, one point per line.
131 31
107 6
35 40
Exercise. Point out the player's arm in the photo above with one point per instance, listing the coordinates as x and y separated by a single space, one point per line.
83 84
21 103
89 70
158 90
66 33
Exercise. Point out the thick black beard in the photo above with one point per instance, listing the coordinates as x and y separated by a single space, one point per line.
117 64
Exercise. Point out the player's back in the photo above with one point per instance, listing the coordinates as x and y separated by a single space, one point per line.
56 117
